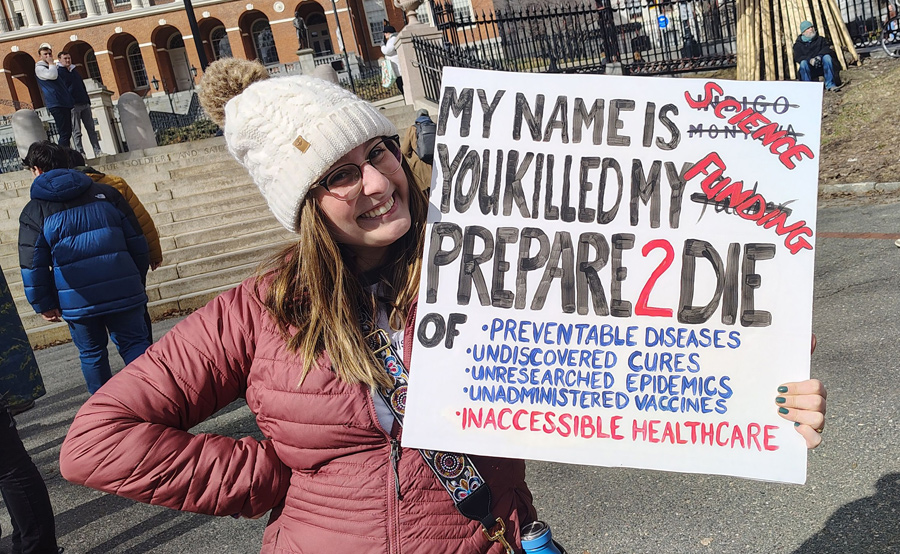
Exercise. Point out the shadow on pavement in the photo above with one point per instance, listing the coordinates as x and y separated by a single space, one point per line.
867 525
185 523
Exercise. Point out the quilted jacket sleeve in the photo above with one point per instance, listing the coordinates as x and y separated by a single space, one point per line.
143 217
134 238
35 261
131 438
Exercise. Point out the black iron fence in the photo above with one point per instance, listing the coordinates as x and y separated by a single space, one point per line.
9 156
673 37
641 38
367 83
171 128
864 19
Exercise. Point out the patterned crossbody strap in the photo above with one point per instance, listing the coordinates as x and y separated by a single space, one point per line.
456 472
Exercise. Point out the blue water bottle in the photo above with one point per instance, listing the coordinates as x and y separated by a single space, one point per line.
537 539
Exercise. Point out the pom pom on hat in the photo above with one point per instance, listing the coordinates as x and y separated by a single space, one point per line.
288 131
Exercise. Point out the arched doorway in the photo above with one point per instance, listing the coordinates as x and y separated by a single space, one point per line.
319 36
128 64
255 27
218 40
136 66
79 51
215 39
23 87
92 67
171 59
181 67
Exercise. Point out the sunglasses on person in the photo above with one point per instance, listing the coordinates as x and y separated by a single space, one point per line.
345 182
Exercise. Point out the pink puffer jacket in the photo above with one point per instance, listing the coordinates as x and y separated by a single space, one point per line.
326 471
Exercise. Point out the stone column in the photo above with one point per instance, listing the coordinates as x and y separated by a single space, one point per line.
58 11
46 15
413 86
307 63
31 18
27 129
102 110
136 122
90 6
136 4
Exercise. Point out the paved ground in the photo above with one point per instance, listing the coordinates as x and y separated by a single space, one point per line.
850 505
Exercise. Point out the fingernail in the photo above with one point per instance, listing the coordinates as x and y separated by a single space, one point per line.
782 389
781 400
783 410
796 424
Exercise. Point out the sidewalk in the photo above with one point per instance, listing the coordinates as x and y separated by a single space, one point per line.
90 522
859 189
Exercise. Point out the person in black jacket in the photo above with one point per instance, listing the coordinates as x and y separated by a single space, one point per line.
81 112
83 257
816 56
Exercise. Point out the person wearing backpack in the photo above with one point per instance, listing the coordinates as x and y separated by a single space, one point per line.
417 148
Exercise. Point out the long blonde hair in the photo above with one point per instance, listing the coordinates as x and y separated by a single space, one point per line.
314 291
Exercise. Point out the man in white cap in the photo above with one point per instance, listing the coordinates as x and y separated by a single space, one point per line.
57 97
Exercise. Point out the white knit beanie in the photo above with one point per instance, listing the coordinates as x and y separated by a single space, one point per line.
288 131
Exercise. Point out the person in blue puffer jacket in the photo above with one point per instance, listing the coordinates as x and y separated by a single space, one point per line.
83 258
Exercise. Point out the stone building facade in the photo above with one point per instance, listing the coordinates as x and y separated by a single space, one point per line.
139 45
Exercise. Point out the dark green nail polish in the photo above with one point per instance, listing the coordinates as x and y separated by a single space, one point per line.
781 400
796 424
783 410
782 389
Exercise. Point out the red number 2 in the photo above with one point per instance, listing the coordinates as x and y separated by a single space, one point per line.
641 308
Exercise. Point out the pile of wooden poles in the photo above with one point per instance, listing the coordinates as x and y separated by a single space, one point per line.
767 30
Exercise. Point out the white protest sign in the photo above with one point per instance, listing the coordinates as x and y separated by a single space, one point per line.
618 271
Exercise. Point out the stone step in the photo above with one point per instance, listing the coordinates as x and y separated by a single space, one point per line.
190 301
252 211
222 246
401 117
162 274
164 278
22 305
184 188
228 230
210 264
44 334
12 273
206 281
10 248
203 199
9 227
201 170
219 207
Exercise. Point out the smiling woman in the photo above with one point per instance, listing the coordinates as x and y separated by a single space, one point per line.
291 342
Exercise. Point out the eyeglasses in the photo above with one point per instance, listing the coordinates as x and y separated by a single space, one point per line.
345 182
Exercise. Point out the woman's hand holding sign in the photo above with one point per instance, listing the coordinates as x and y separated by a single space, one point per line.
804 404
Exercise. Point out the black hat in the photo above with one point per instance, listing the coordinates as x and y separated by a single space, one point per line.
389 29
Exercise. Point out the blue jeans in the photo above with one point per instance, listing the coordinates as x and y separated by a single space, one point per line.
808 72
25 494
128 332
